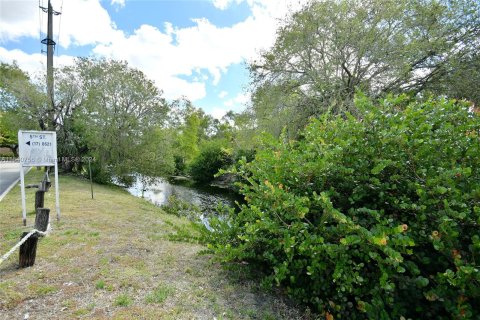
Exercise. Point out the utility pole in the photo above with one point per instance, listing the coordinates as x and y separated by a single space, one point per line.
48 41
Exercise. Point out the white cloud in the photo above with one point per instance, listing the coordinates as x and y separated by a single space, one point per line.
74 29
218 113
118 3
221 4
203 52
32 63
181 51
164 56
222 94
275 8
224 4
239 102
25 18
175 87
153 52
243 98
18 18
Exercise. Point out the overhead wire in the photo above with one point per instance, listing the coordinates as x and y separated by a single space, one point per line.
40 22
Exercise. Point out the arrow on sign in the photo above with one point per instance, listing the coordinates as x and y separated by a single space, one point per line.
28 142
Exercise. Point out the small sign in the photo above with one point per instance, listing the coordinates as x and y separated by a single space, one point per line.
37 148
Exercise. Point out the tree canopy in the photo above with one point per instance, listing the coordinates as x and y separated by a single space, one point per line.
330 49
21 104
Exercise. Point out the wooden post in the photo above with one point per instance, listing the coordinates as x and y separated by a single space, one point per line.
39 199
91 181
28 251
44 185
41 219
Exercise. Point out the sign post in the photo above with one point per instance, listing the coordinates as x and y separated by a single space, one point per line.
37 149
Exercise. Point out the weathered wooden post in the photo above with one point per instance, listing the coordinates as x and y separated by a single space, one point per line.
43 187
28 250
45 184
39 199
41 219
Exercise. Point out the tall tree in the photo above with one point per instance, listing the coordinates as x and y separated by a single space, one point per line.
188 138
120 107
330 49
22 105
460 80
192 126
70 96
155 156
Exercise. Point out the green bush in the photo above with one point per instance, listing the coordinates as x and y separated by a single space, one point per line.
376 217
180 166
100 173
248 154
181 208
213 157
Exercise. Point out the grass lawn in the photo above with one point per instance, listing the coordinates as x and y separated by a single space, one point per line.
115 257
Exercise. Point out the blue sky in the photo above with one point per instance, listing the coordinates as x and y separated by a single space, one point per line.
193 48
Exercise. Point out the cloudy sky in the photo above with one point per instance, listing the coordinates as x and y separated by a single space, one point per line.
195 48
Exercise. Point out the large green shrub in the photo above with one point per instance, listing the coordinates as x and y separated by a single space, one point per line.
212 157
371 217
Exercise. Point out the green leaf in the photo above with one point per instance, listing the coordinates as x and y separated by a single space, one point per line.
421 282
380 166
441 190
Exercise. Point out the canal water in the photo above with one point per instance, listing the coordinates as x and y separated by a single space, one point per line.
207 198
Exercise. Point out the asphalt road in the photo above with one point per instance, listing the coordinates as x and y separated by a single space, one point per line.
9 173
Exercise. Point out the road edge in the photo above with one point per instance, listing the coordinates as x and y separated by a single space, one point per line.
11 187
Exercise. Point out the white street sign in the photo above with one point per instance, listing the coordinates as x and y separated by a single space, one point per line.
37 149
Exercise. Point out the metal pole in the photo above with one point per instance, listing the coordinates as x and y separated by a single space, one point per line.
22 181
50 48
48 41
57 192
24 205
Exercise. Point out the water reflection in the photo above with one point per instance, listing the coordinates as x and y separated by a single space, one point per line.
206 198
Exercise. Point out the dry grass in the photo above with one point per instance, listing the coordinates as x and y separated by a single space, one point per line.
111 257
